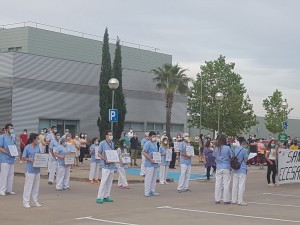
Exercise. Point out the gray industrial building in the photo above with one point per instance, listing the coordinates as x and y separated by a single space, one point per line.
51 78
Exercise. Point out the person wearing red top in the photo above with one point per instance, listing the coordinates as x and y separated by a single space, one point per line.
23 141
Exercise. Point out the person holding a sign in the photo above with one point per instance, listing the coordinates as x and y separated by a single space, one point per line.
32 174
271 155
222 153
63 169
165 161
239 175
8 151
95 162
143 142
52 165
107 169
125 159
149 149
185 165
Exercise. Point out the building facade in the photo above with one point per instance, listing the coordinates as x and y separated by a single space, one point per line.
50 78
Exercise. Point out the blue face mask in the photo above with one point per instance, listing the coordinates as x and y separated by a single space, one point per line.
12 131
273 145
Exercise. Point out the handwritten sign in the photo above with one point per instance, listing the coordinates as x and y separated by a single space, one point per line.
125 158
97 152
169 155
176 146
13 150
190 151
157 157
112 156
70 159
288 166
40 160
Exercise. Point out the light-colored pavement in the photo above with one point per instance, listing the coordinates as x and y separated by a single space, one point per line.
268 206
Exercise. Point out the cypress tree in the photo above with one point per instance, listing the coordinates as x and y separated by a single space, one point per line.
104 91
120 103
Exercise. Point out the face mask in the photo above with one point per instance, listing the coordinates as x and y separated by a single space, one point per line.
85 136
25 132
55 131
130 130
186 138
272 145
42 132
111 138
82 136
76 137
165 142
68 138
124 145
67 132
153 139
126 135
58 137
96 143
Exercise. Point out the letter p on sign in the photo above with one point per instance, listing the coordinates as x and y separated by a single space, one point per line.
113 115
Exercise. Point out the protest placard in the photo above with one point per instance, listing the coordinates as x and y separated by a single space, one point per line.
40 160
190 151
70 158
112 156
96 152
125 158
168 155
176 146
288 166
157 157
13 150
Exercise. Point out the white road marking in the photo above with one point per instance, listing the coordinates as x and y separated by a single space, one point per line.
100 220
262 203
229 214
295 196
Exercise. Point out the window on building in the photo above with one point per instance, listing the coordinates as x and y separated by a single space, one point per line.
14 49
18 49
134 125
155 127
11 49
72 125
177 127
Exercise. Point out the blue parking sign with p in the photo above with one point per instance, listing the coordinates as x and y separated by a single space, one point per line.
113 115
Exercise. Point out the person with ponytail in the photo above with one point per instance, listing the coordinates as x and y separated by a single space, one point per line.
222 154
32 174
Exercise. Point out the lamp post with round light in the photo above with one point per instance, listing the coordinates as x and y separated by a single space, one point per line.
219 97
113 84
284 105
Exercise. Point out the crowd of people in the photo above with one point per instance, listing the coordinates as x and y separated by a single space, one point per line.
216 154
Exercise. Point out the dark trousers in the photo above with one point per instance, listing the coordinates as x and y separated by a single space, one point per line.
208 171
172 163
82 152
271 168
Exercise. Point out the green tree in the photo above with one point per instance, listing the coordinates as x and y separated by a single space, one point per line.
236 113
120 103
275 114
104 91
171 79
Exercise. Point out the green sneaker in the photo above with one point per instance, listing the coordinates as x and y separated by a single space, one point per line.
108 199
99 201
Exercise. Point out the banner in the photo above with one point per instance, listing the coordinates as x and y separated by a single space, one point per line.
40 160
288 166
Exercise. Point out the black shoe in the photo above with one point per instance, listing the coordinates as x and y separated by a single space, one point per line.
50 183
136 164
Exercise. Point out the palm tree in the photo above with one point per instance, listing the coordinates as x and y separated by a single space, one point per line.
171 79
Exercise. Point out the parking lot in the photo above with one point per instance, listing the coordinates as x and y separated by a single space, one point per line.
267 205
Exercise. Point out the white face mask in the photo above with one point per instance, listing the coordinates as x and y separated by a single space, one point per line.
165 142
153 139
186 138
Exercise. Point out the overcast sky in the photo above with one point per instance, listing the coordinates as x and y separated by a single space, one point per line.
261 36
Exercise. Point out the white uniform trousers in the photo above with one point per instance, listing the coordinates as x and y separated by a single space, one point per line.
31 187
52 168
184 179
63 177
106 183
163 170
143 168
238 187
94 171
122 181
150 179
6 177
223 178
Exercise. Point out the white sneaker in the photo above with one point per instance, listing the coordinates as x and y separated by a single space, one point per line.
2 194
26 206
166 182
271 185
37 205
243 204
11 193
161 183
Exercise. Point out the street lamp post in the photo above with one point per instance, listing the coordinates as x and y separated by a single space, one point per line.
284 105
113 84
219 97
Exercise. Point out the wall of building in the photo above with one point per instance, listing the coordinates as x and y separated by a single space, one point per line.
52 88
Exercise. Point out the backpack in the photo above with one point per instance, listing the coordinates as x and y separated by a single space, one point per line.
234 163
